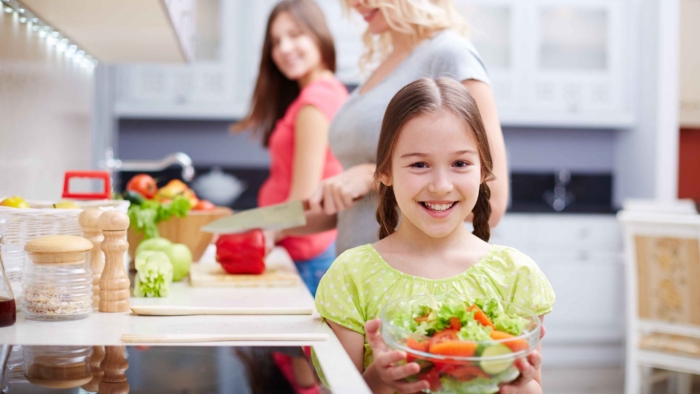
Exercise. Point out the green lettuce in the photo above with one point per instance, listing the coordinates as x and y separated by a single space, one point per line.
513 325
154 274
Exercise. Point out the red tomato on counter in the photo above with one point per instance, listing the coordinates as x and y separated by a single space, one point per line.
242 253
143 184
204 205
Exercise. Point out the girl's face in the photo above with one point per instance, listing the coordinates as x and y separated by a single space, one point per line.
293 50
374 18
436 173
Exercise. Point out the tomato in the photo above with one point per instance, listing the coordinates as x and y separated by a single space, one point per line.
204 205
433 377
444 335
143 184
466 372
455 324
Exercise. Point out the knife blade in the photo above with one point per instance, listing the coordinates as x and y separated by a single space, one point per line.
273 217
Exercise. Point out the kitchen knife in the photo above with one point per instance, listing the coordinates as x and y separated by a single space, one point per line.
274 217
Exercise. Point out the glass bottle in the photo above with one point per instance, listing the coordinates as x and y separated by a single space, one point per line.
8 309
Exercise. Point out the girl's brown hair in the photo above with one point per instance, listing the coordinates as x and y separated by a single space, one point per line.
273 91
424 96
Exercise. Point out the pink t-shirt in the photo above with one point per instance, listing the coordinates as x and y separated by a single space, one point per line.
327 95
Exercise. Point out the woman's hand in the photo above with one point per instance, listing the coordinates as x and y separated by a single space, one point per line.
529 367
338 193
383 375
271 238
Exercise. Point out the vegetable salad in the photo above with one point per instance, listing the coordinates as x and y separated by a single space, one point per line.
461 347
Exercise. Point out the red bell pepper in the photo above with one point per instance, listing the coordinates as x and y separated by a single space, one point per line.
242 253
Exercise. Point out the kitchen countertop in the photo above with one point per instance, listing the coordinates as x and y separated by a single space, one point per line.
107 328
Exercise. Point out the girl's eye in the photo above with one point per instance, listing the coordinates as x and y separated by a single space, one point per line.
419 165
461 163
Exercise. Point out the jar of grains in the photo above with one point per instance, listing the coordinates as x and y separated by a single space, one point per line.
57 280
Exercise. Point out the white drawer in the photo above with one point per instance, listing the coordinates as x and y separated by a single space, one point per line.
581 232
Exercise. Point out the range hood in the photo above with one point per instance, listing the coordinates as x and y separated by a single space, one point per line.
123 31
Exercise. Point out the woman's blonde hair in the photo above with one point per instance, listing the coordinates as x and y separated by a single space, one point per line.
418 18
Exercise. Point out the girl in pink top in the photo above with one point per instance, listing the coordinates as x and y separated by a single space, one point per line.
295 99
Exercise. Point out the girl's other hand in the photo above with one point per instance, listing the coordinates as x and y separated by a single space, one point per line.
338 192
528 367
391 377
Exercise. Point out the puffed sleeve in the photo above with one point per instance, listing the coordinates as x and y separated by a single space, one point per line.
531 288
338 297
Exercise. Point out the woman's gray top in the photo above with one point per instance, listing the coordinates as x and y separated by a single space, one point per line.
354 132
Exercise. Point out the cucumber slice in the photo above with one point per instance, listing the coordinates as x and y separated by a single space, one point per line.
494 367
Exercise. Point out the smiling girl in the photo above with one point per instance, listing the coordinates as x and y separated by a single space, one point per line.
296 97
407 40
433 165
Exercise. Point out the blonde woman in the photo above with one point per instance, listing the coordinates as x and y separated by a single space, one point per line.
410 39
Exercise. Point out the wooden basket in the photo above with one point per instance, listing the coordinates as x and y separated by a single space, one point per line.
184 231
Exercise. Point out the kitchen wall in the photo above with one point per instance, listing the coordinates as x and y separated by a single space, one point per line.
45 108
209 143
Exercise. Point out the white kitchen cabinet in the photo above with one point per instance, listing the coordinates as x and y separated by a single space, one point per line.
557 63
581 255
560 63
209 87
227 48
690 64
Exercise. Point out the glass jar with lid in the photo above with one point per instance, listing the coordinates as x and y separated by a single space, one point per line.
57 279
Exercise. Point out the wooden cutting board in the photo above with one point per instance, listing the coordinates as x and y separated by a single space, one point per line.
212 275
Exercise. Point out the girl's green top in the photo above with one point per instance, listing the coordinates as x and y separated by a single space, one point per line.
360 283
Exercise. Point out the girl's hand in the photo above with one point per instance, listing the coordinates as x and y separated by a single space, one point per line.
528 367
338 193
390 377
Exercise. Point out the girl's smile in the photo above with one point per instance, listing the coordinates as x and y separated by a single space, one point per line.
438 209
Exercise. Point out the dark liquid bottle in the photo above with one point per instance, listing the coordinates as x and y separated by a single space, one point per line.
8 312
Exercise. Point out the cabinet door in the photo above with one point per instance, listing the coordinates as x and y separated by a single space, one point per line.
690 64
494 28
209 87
575 57
589 291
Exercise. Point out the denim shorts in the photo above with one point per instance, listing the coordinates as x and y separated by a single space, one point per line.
312 270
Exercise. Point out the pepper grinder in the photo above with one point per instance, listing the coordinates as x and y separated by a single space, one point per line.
114 366
89 222
114 283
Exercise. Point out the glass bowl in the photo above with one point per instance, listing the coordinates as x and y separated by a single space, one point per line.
492 361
